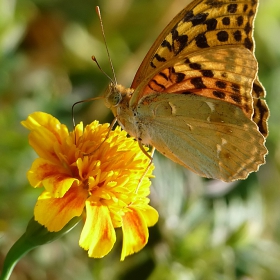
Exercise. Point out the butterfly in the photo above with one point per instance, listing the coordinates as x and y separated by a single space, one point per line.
196 97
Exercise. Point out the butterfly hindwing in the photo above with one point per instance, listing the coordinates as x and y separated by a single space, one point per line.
261 111
201 135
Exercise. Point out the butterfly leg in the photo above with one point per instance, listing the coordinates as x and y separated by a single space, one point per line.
109 130
150 163
145 152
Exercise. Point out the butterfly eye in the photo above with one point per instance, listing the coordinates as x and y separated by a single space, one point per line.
112 97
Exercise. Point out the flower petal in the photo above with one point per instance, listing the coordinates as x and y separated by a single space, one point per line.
60 210
135 233
150 215
53 177
98 235
46 133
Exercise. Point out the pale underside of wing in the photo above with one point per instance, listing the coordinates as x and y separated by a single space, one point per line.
212 138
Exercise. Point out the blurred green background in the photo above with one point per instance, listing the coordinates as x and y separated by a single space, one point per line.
207 229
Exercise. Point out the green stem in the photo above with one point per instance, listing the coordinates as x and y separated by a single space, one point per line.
18 250
34 236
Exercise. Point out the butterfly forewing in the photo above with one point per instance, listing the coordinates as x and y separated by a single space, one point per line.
202 24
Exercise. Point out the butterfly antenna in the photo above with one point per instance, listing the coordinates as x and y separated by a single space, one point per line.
106 46
99 67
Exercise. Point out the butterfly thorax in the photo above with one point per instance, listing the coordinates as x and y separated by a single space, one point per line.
117 99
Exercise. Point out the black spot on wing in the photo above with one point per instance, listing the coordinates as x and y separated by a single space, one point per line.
235 87
236 98
211 24
198 83
219 94
159 58
232 8
166 44
195 66
251 13
221 84
258 90
188 16
262 112
248 28
222 36
237 35
182 43
198 19
214 3
240 20
207 73
179 42
177 77
152 65
248 43
226 21
180 77
201 41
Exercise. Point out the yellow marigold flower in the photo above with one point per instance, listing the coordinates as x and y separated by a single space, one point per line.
82 174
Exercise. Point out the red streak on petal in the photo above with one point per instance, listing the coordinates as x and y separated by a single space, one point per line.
58 173
135 225
74 198
47 171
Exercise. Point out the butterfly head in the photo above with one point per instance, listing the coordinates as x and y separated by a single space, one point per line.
116 94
